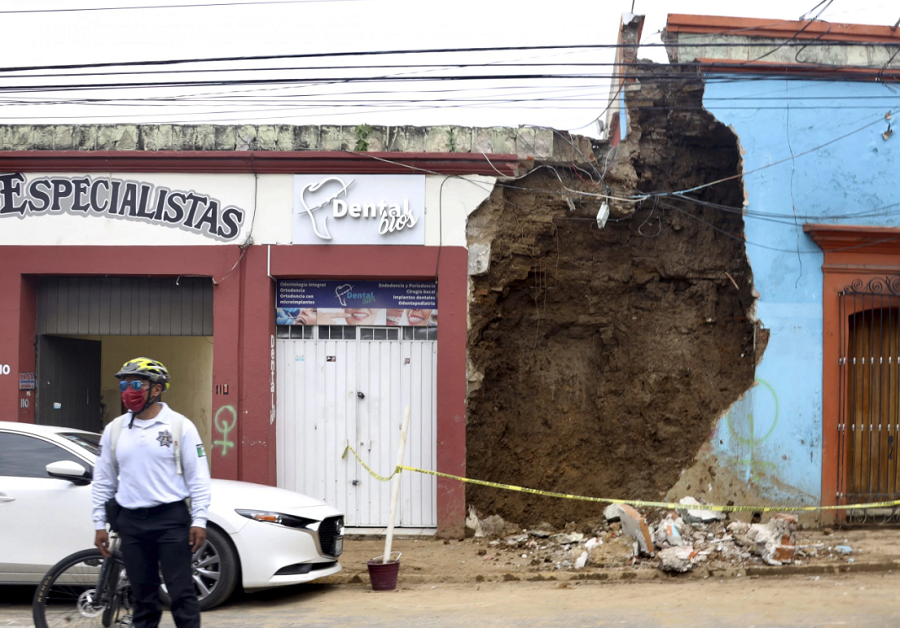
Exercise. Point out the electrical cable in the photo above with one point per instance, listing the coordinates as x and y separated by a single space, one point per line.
769 165
797 34
771 248
419 51
170 6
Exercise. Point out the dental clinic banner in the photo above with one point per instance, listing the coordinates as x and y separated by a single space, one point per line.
323 302
386 209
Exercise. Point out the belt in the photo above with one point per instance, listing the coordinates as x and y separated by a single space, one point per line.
143 513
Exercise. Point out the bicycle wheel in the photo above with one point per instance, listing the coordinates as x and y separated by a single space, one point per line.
68 594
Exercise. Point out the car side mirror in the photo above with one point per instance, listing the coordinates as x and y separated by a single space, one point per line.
69 470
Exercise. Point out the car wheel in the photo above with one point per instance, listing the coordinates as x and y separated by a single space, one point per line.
215 571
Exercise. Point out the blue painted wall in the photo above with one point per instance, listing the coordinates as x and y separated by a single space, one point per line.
774 434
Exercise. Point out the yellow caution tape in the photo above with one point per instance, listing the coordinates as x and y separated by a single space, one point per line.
630 502
382 478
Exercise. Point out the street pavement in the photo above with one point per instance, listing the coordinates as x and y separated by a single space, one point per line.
859 600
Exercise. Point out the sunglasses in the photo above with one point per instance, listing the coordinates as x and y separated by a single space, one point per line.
135 384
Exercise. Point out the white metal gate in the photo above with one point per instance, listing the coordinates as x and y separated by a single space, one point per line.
343 385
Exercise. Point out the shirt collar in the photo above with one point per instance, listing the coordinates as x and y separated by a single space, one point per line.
163 418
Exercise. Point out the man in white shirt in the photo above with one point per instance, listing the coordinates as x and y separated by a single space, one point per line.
159 531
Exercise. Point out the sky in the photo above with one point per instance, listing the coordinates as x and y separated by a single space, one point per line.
326 90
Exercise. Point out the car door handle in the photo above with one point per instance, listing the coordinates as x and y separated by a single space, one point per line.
6 498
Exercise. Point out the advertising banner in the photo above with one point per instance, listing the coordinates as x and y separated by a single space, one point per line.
376 303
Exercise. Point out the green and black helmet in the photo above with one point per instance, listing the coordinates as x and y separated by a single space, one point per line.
153 370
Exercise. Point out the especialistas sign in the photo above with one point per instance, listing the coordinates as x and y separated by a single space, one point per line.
122 199
359 209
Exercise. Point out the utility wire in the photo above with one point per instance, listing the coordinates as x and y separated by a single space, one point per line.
170 6
769 165
63 87
419 51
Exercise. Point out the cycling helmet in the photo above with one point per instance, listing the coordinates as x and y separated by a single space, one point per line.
155 371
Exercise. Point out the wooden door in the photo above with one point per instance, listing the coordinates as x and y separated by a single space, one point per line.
872 386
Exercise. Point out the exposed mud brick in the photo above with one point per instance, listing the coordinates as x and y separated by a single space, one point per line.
602 376
784 553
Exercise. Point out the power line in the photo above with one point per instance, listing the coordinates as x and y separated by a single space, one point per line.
411 66
419 51
63 87
170 6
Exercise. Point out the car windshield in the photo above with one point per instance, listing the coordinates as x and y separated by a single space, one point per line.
87 440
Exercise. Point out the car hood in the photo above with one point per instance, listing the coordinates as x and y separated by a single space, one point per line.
232 494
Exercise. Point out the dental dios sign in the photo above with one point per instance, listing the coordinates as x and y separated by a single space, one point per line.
359 209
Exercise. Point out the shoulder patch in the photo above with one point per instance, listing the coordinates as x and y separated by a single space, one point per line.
200 452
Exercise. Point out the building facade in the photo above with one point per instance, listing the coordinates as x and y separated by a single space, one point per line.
811 107
292 288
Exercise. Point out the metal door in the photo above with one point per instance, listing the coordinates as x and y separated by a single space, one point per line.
418 492
68 387
332 393
316 415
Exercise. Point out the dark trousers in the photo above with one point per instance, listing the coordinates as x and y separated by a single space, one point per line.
153 539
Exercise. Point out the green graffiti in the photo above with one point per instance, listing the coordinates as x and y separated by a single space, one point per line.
751 440
224 427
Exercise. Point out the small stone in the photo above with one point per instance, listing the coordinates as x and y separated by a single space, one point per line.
677 559
698 516
738 527
541 534
581 560
613 512
567 539
515 541
668 533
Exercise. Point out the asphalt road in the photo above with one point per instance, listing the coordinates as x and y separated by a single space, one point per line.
859 601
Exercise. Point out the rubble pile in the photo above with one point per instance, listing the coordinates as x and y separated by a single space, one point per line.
673 541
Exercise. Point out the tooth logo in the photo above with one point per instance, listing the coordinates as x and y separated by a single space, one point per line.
341 291
322 231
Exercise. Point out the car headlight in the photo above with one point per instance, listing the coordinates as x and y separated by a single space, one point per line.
277 518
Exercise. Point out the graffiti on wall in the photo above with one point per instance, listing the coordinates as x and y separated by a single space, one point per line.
753 428
224 427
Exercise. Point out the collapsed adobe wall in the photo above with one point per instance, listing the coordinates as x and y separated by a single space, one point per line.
600 359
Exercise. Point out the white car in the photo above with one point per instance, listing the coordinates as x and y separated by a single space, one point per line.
258 536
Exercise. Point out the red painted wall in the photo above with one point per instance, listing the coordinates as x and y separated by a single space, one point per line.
244 302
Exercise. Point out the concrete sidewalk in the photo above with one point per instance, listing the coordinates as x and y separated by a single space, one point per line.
426 560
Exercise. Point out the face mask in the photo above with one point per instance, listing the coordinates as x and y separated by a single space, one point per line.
133 399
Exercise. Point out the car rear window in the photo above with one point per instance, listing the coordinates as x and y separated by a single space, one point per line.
87 440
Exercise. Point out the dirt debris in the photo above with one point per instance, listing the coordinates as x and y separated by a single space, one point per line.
600 359
675 545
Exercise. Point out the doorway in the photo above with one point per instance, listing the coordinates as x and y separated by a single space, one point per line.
348 385
88 327
871 426
68 386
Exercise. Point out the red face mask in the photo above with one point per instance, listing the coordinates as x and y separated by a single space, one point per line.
133 399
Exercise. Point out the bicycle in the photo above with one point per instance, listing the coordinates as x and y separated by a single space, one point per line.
85 589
